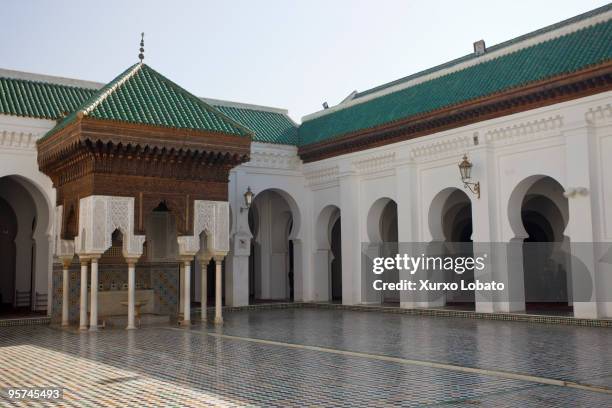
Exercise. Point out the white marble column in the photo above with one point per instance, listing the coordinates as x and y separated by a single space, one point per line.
407 216
351 236
203 286
187 292
218 289
93 310
131 294
484 227
580 148
65 290
237 273
181 292
83 311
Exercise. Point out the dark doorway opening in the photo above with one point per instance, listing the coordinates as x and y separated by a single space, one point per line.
336 263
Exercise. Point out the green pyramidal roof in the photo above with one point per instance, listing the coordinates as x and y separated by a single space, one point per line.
143 96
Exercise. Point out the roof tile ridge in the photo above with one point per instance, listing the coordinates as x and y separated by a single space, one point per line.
94 104
202 103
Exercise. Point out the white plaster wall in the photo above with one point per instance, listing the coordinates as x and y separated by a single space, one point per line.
274 168
509 150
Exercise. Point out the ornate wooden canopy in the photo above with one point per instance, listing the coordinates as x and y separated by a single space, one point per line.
151 164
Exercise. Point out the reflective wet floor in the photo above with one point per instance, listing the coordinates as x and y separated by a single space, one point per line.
315 357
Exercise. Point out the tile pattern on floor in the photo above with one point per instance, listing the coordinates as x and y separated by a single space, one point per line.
572 353
165 366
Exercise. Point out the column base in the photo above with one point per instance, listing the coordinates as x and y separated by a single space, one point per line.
65 324
83 328
130 328
218 320
93 328
184 322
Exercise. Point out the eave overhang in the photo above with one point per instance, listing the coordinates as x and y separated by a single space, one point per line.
140 143
558 89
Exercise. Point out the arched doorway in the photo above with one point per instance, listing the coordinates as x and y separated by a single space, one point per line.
255 253
336 263
328 259
544 215
159 262
271 263
24 268
382 231
8 232
450 220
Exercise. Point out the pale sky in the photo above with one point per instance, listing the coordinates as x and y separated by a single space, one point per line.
282 53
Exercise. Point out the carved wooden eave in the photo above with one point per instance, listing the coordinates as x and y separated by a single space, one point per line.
563 88
149 163
104 139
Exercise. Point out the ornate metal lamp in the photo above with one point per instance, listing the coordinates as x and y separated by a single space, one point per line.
248 199
465 169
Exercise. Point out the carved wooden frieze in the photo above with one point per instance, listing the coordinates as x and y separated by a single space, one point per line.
149 164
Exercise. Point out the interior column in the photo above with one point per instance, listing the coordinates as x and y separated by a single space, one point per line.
203 287
93 318
131 294
218 289
65 290
83 316
181 292
187 292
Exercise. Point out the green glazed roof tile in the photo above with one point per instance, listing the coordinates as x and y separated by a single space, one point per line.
41 100
563 55
143 96
268 127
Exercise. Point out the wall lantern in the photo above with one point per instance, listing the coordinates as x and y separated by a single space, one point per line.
248 199
465 169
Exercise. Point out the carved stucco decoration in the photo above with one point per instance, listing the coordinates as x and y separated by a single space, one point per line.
213 218
99 217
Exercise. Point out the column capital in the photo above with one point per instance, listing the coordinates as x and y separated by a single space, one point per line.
205 259
85 258
186 258
132 261
66 261
219 257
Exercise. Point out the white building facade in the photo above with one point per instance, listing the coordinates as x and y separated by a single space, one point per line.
557 152
544 175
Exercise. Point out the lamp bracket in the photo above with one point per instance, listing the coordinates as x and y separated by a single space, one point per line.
473 187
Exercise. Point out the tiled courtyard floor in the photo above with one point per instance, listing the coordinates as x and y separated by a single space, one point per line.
314 357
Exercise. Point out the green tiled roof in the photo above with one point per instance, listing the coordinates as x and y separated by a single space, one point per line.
143 96
20 97
495 47
44 100
269 127
569 53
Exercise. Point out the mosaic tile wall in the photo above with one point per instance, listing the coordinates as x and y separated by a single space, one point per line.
162 278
